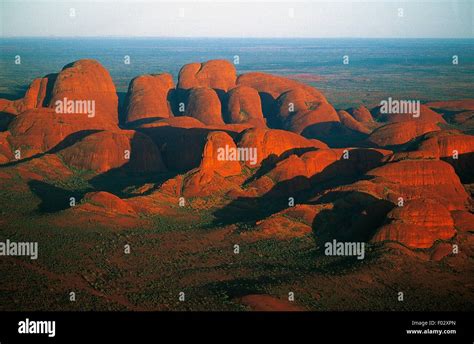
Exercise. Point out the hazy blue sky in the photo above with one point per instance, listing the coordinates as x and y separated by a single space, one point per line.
442 18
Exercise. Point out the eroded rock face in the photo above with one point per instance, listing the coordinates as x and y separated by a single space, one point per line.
39 130
288 103
215 74
443 144
361 114
204 183
441 250
401 132
309 164
296 100
418 224
220 155
148 97
87 80
351 123
430 179
107 202
244 106
106 150
274 142
296 173
463 220
35 97
204 105
425 115
220 160
311 122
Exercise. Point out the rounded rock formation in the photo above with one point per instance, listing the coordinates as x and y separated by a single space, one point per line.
433 179
103 151
244 106
215 74
401 132
87 81
418 224
148 97
204 105
220 155
351 123
361 114
39 130
274 142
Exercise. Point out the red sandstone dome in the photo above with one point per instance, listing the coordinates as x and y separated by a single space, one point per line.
307 121
307 165
296 100
418 224
274 142
425 115
219 160
444 144
216 74
106 150
351 123
214 156
204 105
39 130
432 179
34 98
87 80
361 114
299 108
107 202
401 132
244 106
148 97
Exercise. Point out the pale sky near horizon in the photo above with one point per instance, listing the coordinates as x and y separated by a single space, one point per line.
420 18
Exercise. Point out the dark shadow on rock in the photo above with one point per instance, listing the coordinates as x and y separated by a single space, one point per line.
269 109
355 216
301 188
5 120
120 181
225 108
68 141
464 166
53 198
49 88
222 95
176 97
272 160
140 122
335 135
181 148
141 169
375 112
122 106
